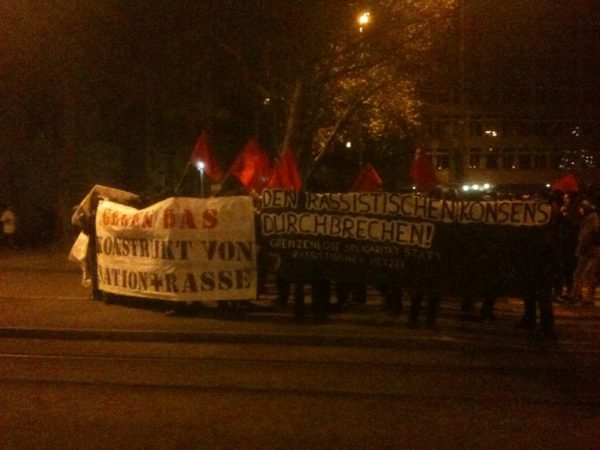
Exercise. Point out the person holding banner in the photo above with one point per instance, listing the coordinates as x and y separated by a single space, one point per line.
321 292
346 292
320 284
84 218
535 271
416 299
424 285
392 297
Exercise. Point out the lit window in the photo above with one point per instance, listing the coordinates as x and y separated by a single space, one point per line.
490 159
440 158
509 160
475 158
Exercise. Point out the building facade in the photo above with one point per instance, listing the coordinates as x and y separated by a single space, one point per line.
515 98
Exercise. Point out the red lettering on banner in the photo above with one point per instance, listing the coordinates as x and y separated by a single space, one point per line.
169 219
149 220
183 220
187 220
209 218
105 217
117 219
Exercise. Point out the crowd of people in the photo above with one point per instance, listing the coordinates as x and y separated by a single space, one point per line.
566 271
577 225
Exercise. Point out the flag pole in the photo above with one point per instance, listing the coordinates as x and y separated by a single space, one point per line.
224 178
185 171
202 182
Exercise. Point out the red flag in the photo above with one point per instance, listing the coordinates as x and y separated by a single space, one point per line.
567 183
252 167
367 181
285 175
202 157
422 171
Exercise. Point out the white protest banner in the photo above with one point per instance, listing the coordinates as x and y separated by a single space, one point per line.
180 249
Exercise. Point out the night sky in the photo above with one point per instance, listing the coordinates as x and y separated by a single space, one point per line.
117 92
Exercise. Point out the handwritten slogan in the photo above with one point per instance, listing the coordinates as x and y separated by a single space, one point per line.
390 237
186 249
181 249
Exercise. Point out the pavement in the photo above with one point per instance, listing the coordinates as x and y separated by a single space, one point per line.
41 296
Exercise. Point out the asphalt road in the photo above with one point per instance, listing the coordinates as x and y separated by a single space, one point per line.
75 373
101 395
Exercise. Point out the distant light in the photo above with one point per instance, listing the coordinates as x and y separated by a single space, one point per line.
266 101
200 165
492 133
547 185
414 188
476 187
363 20
348 144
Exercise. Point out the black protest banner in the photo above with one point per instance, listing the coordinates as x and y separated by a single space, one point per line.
399 238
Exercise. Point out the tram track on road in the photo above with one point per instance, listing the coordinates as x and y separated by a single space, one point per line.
446 368
388 375
423 400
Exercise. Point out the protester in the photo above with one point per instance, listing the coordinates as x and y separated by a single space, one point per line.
424 284
9 227
350 292
416 299
567 221
472 257
392 294
84 219
588 255
283 286
320 284
535 273
320 300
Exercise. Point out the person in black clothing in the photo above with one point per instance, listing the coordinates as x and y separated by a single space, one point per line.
347 292
535 280
283 292
392 298
320 285
426 283
433 302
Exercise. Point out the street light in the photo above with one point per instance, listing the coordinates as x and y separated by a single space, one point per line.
200 165
363 20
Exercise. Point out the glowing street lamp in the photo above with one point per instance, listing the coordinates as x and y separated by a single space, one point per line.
363 20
